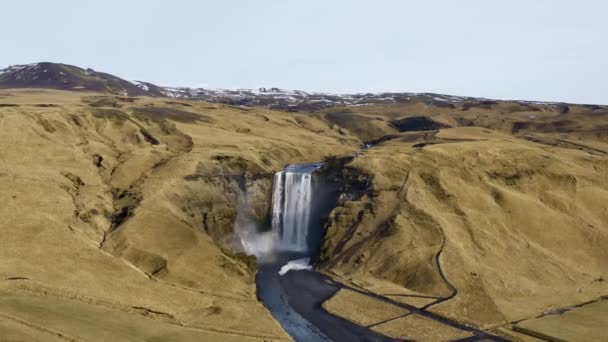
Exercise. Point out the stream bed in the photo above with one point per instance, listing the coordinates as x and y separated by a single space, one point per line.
295 300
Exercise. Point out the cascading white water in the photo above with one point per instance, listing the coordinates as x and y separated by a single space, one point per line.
291 210
291 207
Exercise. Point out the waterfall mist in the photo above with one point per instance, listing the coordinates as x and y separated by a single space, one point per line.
252 240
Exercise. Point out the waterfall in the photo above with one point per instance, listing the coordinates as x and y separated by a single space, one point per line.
291 207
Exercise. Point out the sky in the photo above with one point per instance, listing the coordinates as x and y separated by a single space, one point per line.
551 50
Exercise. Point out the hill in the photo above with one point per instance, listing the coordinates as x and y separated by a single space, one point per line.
119 211
67 77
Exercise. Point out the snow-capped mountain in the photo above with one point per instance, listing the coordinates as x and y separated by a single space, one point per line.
68 77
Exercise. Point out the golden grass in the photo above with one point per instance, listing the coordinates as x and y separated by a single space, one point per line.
519 226
68 170
361 309
127 208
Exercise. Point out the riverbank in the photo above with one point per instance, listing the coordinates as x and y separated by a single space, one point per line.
295 300
307 291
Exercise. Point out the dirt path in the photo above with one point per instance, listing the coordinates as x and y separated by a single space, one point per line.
422 312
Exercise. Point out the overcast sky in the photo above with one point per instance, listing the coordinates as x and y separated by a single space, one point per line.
553 50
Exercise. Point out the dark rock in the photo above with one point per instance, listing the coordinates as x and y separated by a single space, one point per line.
149 137
563 108
485 104
518 126
417 123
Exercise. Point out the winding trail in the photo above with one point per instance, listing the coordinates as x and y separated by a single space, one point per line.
454 290
419 311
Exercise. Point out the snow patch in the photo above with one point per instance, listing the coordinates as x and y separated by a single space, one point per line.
141 85
16 68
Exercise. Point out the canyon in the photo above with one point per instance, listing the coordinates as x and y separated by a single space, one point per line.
141 216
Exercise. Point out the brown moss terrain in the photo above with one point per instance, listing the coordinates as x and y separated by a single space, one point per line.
119 214
475 225
127 210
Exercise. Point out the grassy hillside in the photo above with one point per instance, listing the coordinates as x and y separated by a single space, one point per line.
127 209
497 220
502 227
119 213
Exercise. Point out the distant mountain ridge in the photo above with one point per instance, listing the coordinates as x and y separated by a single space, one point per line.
66 77
69 77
